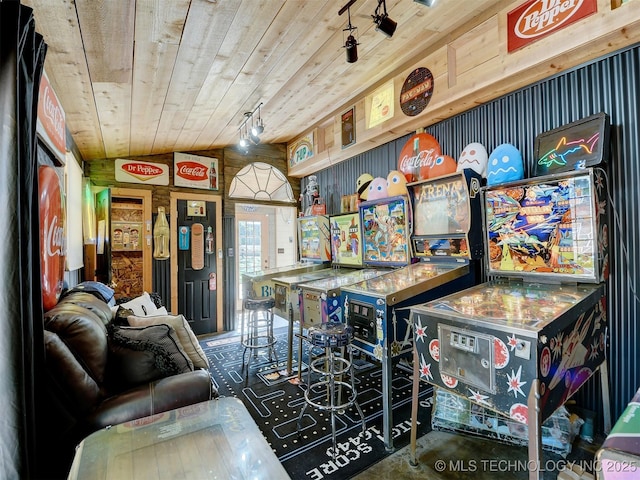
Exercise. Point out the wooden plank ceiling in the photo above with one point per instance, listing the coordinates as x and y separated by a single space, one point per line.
141 77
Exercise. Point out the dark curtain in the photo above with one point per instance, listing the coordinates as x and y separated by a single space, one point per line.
22 53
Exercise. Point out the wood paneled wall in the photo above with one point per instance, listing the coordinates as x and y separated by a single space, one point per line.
230 160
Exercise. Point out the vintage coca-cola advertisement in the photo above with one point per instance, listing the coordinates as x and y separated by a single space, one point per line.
51 121
52 236
418 156
195 171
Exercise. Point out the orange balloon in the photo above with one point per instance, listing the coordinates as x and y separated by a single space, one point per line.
443 165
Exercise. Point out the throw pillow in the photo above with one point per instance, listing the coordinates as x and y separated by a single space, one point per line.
141 306
187 338
143 354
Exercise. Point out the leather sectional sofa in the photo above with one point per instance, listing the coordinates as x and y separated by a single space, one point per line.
96 379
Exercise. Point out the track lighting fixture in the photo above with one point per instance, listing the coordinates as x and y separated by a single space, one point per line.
350 44
248 134
381 18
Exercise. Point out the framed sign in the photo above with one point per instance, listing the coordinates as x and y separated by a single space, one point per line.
348 127
195 171
380 105
535 19
573 146
416 91
301 150
135 171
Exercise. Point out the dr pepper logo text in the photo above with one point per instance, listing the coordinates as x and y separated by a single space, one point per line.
538 18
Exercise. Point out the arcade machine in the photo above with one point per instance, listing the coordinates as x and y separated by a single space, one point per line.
522 343
314 246
260 283
446 242
322 300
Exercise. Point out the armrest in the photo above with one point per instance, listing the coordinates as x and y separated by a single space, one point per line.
160 396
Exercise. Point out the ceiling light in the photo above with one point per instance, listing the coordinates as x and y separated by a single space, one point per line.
426 3
250 135
383 23
350 44
257 129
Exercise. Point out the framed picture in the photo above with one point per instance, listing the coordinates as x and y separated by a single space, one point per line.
348 123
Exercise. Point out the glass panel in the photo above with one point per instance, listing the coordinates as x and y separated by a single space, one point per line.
250 246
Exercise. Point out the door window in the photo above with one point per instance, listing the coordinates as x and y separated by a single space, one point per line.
250 246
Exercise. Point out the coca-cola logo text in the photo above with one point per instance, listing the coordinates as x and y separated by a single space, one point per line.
192 171
425 158
54 238
142 169
53 112
545 15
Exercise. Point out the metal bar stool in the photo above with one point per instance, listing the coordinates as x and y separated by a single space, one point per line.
259 333
326 393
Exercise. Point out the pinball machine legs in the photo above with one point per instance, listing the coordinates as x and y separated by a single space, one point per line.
535 434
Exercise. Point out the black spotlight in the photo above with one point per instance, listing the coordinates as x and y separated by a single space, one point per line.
352 49
385 25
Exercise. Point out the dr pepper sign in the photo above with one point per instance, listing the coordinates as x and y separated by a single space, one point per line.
52 236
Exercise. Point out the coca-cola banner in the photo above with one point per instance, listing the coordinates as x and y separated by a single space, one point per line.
195 171
51 121
52 236
417 156
135 171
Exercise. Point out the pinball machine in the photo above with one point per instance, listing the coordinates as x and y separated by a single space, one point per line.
438 258
322 300
260 283
522 343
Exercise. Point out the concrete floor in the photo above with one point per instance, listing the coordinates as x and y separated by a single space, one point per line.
443 455
450 456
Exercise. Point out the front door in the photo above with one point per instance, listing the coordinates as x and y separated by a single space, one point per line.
197 261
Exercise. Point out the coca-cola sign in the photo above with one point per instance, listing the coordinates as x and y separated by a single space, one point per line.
52 236
133 171
195 171
417 156
191 171
537 18
51 119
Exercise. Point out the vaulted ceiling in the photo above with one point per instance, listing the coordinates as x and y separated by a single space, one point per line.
140 77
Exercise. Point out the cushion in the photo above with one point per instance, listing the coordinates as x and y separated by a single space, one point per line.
141 306
142 354
187 338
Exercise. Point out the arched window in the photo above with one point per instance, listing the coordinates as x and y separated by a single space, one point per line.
261 181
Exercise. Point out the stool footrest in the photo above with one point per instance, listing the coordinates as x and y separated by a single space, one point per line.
326 405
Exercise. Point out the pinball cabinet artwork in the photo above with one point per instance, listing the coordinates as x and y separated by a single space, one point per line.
524 342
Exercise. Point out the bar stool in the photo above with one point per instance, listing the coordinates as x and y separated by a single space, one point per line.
259 333
326 393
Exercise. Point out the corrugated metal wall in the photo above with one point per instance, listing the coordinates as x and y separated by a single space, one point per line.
608 85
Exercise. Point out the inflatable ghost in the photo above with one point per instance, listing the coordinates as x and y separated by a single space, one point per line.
377 189
362 185
396 183
504 165
475 157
